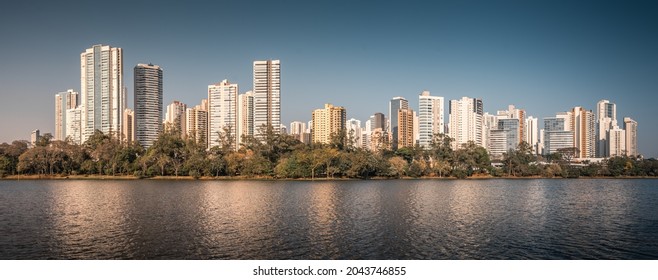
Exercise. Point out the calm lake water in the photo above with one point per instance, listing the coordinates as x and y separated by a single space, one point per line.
398 219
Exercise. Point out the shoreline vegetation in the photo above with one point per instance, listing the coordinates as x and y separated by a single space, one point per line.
274 156
58 177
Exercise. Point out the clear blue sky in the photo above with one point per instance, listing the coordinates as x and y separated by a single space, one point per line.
544 56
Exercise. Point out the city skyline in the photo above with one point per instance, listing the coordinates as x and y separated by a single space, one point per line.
528 59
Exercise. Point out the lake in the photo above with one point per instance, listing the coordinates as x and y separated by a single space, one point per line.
375 219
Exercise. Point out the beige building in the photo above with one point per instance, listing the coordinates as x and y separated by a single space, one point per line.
175 117
584 132
245 115
64 101
196 123
128 128
631 137
405 128
617 142
328 122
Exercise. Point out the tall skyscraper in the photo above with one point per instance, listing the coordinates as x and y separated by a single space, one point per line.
148 103
395 105
175 117
197 123
128 128
584 129
606 119
327 123
64 101
222 114
245 115
405 128
101 90
631 137
466 121
531 133
267 95
430 117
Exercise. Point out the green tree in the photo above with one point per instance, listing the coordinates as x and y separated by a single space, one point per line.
397 167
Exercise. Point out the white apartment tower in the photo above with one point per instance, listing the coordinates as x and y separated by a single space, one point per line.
267 94
101 90
222 112
64 101
148 103
175 117
532 133
466 121
196 123
606 119
245 115
74 125
616 142
430 117
631 137
297 128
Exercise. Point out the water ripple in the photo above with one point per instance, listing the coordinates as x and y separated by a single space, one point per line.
424 219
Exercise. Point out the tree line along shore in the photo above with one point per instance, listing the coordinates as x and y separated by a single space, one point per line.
280 156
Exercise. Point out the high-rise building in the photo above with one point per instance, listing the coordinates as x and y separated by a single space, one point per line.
606 119
584 129
542 141
531 133
630 126
556 135
64 101
35 137
74 125
394 107
354 131
617 142
327 123
504 137
245 115
101 90
175 117
128 129
466 121
298 130
197 123
378 120
379 140
222 114
405 128
519 114
148 103
267 95
430 117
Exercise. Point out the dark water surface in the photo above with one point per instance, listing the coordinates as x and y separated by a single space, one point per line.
405 219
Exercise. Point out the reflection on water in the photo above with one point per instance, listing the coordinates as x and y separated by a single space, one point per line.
406 219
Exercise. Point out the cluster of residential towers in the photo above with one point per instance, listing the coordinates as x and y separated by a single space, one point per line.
227 114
